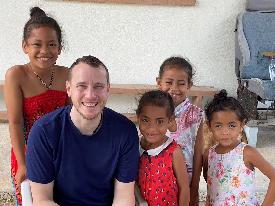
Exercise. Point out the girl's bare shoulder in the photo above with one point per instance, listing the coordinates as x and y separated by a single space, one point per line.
16 73
62 71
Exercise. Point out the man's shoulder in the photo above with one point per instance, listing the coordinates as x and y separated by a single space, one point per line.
116 118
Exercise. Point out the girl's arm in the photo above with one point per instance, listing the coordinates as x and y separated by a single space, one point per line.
13 99
207 203
205 164
181 174
197 166
253 158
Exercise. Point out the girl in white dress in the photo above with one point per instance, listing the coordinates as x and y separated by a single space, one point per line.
230 164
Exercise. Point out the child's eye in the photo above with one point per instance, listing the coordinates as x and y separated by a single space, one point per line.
53 45
36 45
160 121
232 126
145 120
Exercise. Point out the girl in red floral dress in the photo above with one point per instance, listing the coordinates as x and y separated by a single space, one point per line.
35 88
163 178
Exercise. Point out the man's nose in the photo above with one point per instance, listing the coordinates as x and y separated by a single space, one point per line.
90 92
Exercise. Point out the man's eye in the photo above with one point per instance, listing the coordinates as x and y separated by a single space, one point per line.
99 86
80 86
168 83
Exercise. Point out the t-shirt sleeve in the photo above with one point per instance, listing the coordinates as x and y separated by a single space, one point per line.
129 156
39 156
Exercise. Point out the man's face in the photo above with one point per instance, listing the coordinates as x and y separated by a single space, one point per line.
88 90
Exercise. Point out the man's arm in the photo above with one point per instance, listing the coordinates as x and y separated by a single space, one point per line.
42 194
124 194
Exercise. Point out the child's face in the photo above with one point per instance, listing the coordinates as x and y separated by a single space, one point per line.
153 124
226 128
42 47
175 82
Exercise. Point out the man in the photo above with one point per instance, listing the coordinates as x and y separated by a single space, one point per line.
84 154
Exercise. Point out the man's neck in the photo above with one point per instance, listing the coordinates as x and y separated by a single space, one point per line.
85 126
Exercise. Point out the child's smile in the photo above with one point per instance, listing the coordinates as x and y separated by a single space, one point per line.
175 82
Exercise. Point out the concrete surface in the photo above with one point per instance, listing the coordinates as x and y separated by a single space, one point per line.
265 144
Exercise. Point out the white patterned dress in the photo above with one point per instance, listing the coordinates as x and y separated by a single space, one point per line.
229 181
188 119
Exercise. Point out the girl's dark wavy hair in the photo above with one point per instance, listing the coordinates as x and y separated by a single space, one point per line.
222 102
38 18
156 98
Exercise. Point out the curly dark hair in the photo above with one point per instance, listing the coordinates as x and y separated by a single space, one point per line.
177 62
38 18
156 98
222 102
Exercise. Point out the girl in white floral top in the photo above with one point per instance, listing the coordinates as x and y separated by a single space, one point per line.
230 164
175 77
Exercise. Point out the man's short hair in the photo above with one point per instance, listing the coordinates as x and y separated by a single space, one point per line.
92 61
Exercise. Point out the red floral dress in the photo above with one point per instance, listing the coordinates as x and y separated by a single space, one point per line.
34 108
156 180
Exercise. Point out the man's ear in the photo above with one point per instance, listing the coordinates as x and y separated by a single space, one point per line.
108 87
68 88
25 47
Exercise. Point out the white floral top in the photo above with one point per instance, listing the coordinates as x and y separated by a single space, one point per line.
229 181
188 118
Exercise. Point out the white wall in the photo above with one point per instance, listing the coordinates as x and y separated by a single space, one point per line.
133 40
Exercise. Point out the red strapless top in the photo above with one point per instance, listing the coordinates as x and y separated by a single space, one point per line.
36 106
33 108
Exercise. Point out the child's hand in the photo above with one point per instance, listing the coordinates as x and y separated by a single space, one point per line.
173 125
20 176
